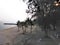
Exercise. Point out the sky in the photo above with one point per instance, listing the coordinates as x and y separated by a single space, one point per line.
12 10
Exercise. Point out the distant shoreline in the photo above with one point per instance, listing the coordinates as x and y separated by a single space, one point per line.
8 28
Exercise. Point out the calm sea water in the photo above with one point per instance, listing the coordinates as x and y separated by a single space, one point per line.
2 26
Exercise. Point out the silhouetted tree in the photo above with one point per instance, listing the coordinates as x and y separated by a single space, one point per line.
18 25
23 25
43 10
29 23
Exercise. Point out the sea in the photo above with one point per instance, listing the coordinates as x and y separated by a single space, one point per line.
2 26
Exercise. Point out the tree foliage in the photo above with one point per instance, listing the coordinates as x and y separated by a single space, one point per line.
41 8
45 12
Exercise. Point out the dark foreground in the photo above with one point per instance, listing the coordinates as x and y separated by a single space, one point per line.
37 37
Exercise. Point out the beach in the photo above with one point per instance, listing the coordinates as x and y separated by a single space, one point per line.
8 35
11 36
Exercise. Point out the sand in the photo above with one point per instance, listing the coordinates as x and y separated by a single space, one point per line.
11 36
8 35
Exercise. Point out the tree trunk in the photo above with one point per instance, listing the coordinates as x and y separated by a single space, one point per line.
31 28
46 32
18 29
25 29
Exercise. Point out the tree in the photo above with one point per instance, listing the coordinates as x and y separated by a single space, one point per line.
23 25
18 25
43 10
29 22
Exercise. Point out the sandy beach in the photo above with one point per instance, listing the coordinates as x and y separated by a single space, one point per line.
8 35
11 36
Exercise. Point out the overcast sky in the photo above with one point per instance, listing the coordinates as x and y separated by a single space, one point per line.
12 10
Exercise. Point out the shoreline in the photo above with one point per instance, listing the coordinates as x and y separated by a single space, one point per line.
8 28
8 35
